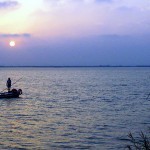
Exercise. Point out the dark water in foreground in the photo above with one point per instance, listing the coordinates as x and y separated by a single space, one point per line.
74 108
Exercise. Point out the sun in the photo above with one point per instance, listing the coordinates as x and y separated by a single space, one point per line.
12 43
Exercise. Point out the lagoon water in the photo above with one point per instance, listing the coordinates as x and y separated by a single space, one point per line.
74 108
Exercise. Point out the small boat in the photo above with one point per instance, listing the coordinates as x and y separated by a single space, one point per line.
11 94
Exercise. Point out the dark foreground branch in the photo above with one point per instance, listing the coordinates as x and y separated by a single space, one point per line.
140 143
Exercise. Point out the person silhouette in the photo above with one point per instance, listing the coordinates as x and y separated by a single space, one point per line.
8 84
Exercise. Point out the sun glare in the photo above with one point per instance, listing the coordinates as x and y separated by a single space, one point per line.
12 43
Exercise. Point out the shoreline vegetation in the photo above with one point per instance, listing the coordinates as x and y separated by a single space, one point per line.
100 66
142 142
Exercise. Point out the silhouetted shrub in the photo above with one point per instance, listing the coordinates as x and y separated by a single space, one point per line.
140 143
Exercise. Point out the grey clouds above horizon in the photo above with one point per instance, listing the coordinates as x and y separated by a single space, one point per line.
100 50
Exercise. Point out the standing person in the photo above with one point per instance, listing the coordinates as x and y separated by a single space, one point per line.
8 84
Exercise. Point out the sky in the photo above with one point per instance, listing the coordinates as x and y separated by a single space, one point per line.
74 32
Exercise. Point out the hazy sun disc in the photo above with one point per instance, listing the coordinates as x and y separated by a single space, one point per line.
12 43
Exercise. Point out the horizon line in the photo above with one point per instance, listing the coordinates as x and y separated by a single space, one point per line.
67 66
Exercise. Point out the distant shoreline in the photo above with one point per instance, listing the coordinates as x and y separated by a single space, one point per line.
100 66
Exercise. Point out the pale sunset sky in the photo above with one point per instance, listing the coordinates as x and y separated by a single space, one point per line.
74 32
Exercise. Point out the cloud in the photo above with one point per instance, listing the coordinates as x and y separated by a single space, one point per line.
65 2
24 35
104 1
8 4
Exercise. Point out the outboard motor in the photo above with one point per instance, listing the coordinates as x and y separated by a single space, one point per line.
19 91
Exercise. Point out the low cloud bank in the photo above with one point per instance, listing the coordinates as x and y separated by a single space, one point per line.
8 4
24 35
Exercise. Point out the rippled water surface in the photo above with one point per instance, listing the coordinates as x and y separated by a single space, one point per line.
74 108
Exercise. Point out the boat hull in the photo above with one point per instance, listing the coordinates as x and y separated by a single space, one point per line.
12 94
8 95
